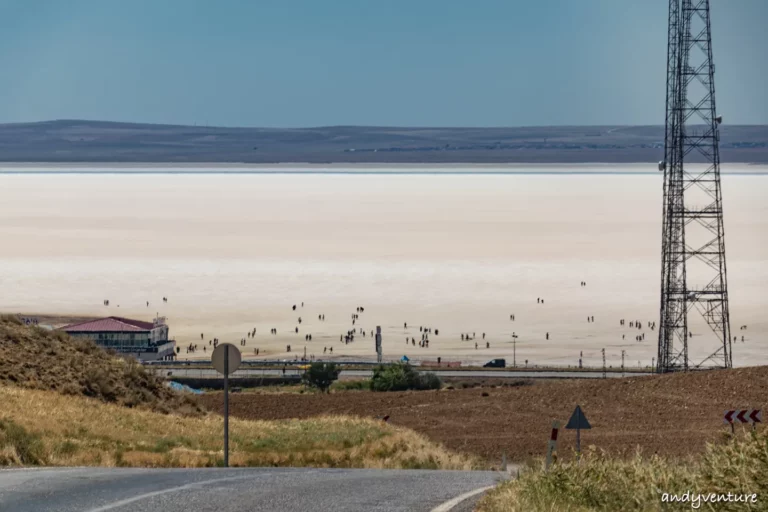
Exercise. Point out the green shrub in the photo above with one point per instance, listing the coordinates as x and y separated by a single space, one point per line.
401 377
393 377
321 375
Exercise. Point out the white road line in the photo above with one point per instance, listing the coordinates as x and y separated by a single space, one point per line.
448 505
122 503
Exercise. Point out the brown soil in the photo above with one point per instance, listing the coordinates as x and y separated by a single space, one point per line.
36 358
672 415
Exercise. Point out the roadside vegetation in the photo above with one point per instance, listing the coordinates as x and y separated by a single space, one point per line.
386 377
46 428
402 377
321 375
602 483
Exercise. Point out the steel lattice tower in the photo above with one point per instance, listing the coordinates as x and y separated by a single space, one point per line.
693 276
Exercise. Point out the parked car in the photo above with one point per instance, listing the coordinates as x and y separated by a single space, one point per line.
496 363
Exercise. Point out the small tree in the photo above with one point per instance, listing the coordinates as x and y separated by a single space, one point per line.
321 375
392 377
402 376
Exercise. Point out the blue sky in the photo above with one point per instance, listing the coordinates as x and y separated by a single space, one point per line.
290 63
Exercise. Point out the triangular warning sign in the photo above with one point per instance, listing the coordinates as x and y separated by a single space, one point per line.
578 420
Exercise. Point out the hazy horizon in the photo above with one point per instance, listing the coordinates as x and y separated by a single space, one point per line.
409 127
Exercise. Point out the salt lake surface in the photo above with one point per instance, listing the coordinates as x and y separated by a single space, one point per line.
456 252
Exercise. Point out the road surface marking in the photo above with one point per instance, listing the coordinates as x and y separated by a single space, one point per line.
121 503
448 505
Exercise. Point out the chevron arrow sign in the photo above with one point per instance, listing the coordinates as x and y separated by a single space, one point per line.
743 416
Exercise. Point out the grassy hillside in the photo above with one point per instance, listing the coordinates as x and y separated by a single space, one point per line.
601 483
68 402
35 358
45 428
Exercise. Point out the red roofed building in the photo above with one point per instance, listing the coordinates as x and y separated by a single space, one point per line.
148 341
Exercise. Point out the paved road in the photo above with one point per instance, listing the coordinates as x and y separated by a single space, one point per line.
247 372
241 490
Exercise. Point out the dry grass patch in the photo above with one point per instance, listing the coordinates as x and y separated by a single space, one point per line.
45 428
602 483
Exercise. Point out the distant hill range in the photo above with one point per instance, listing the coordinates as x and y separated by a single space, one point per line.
98 141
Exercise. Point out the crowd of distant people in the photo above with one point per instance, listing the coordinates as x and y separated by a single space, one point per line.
425 332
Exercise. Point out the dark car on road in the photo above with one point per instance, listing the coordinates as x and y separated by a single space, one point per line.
496 363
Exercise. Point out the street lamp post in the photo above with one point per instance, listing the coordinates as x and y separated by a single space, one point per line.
514 350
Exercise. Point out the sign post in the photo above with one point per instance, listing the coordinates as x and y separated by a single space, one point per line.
578 421
378 344
226 358
753 416
552 445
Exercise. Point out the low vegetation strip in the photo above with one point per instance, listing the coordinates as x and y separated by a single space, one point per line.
46 428
732 475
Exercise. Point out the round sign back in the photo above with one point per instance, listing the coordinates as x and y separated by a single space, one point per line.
228 351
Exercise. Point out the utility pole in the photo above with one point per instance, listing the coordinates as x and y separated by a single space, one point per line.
226 405
605 375
622 362
693 278
514 350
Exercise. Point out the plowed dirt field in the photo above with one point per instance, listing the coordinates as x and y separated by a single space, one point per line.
672 415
